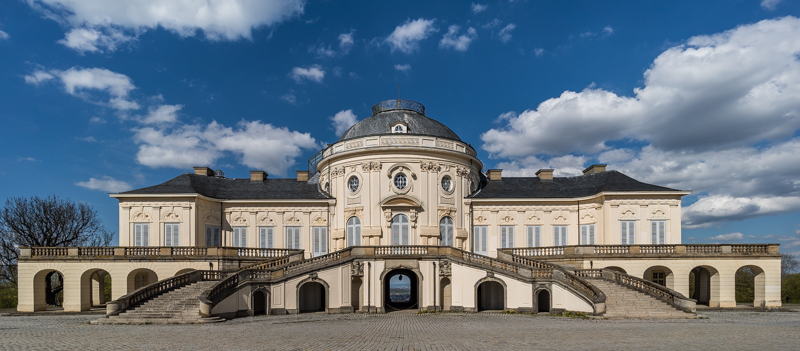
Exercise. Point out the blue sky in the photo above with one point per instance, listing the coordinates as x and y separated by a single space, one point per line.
102 97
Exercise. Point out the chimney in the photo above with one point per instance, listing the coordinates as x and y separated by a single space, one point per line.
302 176
494 174
258 176
594 169
545 174
204 171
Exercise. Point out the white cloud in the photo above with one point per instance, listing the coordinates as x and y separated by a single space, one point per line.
538 52
163 114
402 68
478 8
322 51
346 42
98 20
406 37
107 184
29 159
90 139
313 73
607 30
343 120
82 82
290 98
728 237
258 145
4 35
718 116
770 4
452 40
505 33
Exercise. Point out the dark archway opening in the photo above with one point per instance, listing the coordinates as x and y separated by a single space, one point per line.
259 303
400 290
54 289
446 294
312 298
543 301
700 285
491 296
355 294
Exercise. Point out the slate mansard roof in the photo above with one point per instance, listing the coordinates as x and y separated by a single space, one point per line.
234 189
383 118
564 187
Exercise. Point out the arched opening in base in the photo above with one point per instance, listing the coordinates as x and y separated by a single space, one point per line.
491 296
48 290
400 290
750 288
701 280
260 303
355 294
543 301
311 298
446 293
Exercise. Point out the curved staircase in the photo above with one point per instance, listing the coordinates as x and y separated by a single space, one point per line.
624 302
179 306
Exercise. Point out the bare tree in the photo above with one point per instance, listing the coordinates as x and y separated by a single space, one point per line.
46 222
789 264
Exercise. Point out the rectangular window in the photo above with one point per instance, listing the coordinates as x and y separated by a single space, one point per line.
587 234
480 240
212 236
265 237
659 277
534 235
628 232
141 234
239 237
559 235
506 236
172 234
320 237
293 238
658 232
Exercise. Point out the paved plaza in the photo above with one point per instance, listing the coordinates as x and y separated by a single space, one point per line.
410 331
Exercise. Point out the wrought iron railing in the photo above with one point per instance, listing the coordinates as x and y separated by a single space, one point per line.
398 104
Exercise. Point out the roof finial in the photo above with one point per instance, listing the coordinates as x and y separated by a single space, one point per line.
398 91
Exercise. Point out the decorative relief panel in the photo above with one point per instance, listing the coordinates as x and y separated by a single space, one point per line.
449 200
627 213
354 145
239 221
211 218
658 213
507 220
445 144
371 166
400 141
293 221
357 269
560 220
266 221
462 172
588 218
354 200
444 269
319 221
141 217
430 167
534 219
338 172
481 219
446 212
171 217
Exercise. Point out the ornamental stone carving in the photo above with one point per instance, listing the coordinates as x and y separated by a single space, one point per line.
445 144
534 219
448 200
480 219
371 166
446 212
338 171
444 269
171 217
657 213
628 213
507 219
239 221
354 200
588 218
354 145
400 141
293 221
560 220
413 217
357 269
430 167
211 218
266 220
462 172
320 221
141 217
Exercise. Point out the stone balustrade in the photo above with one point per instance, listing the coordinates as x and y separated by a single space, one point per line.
678 250
100 253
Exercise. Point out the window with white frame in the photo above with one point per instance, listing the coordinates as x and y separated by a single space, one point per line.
587 234
658 235
141 234
446 231
628 232
293 238
319 235
354 231
265 235
239 237
534 235
559 235
506 236
480 241
213 237
172 234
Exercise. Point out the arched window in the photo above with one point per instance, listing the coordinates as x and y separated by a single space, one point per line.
400 230
353 231
446 232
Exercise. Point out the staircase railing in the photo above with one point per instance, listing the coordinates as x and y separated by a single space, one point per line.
158 288
658 291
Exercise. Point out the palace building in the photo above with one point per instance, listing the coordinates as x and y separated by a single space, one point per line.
397 214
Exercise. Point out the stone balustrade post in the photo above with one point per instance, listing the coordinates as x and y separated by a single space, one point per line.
680 249
569 250
726 249
634 249
773 248
119 251
165 251
72 251
24 252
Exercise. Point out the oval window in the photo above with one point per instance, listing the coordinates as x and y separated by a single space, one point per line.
353 184
400 181
447 183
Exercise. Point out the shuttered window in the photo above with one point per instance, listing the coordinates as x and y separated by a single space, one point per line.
658 233
172 234
353 231
559 235
446 231
265 237
400 230
212 236
293 238
534 235
587 234
320 238
239 237
506 236
628 232
480 241
141 234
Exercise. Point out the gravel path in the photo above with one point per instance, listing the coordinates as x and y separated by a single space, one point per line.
410 331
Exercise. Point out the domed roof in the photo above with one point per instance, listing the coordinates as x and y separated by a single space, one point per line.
387 114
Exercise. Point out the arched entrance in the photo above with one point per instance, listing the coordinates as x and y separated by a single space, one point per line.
660 275
139 278
260 303
355 294
48 290
490 296
618 269
95 288
400 290
311 298
446 294
704 285
400 230
543 301
750 286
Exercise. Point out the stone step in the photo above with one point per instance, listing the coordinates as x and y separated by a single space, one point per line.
623 302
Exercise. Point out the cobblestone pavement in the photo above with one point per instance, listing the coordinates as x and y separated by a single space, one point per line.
410 331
